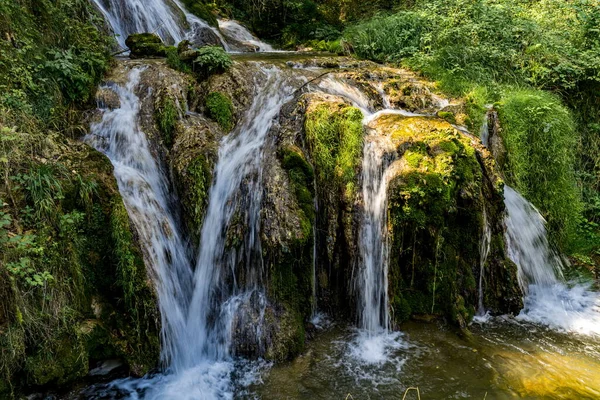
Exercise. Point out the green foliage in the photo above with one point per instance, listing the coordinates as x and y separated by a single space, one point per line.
52 54
540 136
174 60
389 38
212 60
220 108
201 10
335 139
483 50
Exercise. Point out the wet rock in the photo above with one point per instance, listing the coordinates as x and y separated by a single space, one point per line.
204 36
107 98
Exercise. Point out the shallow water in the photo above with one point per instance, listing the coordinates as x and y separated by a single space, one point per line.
503 359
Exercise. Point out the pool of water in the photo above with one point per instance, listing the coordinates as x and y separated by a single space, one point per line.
501 359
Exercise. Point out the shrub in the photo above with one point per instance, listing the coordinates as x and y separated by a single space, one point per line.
212 60
541 139
220 109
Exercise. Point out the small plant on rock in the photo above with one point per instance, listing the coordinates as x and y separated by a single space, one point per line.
212 60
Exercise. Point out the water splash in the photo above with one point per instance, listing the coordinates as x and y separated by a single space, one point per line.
148 199
549 300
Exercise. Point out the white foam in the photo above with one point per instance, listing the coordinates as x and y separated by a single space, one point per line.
573 308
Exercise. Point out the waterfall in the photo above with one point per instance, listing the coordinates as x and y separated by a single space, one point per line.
549 300
217 291
147 197
167 18
373 276
527 243
239 33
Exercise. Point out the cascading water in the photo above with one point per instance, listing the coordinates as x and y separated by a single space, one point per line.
198 321
373 276
167 18
146 194
239 33
240 165
548 299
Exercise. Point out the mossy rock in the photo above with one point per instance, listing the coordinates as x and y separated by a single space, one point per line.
220 108
435 205
146 45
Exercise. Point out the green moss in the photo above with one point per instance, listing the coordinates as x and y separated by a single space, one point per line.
146 45
139 298
64 360
201 10
174 60
220 108
166 118
200 173
334 134
541 139
301 176
448 116
433 203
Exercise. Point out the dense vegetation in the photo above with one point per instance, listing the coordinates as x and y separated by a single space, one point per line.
537 61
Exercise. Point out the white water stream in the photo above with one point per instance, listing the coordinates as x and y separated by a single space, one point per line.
200 310
549 300
170 20
239 33
147 197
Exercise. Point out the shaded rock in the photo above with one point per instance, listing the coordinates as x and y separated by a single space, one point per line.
204 36
107 98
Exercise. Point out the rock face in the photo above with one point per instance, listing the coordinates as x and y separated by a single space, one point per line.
438 193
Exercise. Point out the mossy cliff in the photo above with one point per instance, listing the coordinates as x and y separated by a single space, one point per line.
438 192
74 284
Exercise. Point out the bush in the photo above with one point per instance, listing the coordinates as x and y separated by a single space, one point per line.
220 108
212 60
541 139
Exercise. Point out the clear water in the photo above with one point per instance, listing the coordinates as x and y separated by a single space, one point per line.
503 359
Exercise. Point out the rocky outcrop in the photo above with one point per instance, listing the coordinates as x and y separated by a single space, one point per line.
438 192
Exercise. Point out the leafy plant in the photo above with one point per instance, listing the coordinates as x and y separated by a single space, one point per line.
212 60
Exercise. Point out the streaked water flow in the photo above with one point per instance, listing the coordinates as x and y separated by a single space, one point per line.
549 300
147 197
239 33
